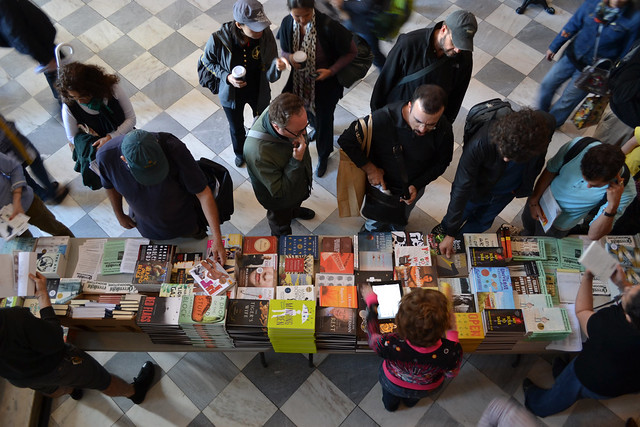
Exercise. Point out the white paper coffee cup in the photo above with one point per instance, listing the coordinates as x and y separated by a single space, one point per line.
300 57
239 72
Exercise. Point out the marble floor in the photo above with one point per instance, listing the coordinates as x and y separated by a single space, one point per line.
153 45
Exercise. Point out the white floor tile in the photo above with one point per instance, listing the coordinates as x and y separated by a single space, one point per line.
103 216
58 9
435 200
357 100
519 56
526 93
240 404
60 165
102 356
187 68
167 360
165 405
143 70
199 30
317 402
100 36
192 109
197 148
480 59
555 21
154 6
32 82
507 20
245 201
150 33
205 5
478 92
323 203
240 358
145 109
107 7
28 116
95 409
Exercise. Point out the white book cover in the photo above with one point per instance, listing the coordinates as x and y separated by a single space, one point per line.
481 240
599 261
414 256
300 293
573 342
10 228
550 209
26 264
261 292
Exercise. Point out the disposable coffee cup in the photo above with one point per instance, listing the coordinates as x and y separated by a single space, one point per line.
301 58
239 72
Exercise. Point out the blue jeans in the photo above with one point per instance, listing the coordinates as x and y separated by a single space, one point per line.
480 215
561 71
235 116
393 394
565 392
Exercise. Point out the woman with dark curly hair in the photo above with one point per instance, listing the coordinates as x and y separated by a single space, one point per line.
94 102
421 352
329 48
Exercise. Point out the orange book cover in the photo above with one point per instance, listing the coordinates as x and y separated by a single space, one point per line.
336 262
338 296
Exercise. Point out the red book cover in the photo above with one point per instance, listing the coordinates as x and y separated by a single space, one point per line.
336 262
294 265
260 245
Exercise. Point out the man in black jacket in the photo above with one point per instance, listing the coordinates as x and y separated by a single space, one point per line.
448 44
33 354
500 162
425 139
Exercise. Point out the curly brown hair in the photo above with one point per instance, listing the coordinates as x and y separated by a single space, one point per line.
602 162
283 107
423 317
521 135
86 79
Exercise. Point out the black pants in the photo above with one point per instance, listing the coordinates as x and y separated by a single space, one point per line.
235 116
280 220
328 93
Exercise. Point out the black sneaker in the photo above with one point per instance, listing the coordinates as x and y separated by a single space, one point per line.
322 167
239 161
142 382
305 213
61 194
76 394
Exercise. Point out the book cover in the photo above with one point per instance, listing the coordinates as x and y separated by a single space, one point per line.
338 296
243 313
336 320
295 279
156 252
527 248
570 250
481 240
362 277
159 311
260 245
328 279
336 262
377 241
526 285
337 244
434 241
408 238
533 301
257 276
51 263
255 293
504 321
214 281
418 256
416 277
546 320
302 293
495 300
176 289
456 266
486 257
202 309
151 272
627 256
469 326
291 315
375 261
296 264
299 245
458 285
490 279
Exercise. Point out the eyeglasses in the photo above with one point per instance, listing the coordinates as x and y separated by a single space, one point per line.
296 135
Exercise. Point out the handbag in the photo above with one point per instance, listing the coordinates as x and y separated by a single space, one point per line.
357 68
351 182
590 111
595 78
385 206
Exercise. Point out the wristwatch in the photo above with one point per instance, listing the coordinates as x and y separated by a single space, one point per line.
609 214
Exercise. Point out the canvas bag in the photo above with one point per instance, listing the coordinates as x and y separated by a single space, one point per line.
352 181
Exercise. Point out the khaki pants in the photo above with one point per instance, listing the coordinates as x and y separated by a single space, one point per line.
41 217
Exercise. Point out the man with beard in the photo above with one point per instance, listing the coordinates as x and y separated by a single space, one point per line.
438 55
419 133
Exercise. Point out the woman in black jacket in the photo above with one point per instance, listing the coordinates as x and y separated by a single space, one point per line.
329 48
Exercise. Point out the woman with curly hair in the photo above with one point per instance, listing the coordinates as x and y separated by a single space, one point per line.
94 102
421 352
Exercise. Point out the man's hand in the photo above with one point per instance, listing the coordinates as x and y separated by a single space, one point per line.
237 83
99 143
299 147
323 73
550 55
446 246
535 209
281 63
614 193
412 195
41 289
17 209
375 175
126 221
218 253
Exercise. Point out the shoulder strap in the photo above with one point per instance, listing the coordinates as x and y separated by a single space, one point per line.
426 70
577 149
367 134
263 135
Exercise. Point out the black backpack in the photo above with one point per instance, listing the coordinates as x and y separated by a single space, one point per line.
482 113
219 180
207 78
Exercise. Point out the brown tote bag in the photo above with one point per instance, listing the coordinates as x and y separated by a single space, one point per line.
352 180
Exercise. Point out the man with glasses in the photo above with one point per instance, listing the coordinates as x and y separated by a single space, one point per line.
499 162
425 140
278 162
438 55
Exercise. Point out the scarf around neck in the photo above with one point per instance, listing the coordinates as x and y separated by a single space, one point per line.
304 81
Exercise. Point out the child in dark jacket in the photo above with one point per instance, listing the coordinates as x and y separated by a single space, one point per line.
422 351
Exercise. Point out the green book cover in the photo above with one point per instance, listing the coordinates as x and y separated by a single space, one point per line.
292 315
202 309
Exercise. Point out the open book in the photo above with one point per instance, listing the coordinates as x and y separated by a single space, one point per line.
550 209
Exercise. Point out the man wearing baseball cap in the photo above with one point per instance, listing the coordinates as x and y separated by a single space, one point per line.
439 55
163 185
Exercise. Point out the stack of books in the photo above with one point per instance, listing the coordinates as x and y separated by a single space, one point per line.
470 330
202 318
503 329
291 326
246 323
336 328
546 324
153 266
159 318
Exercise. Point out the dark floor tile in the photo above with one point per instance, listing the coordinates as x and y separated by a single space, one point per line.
167 89
540 70
13 95
431 9
570 6
129 17
214 132
537 36
81 20
165 123
49 137
284 374
173 49
354 375
178 14
124 421
126 365
421 221
81 52
481 9
200 421
223 12
87 227
591 413
500 77
15 63
202 376
358 418
490 39
121 52
342 120
438 416
279 419
500 370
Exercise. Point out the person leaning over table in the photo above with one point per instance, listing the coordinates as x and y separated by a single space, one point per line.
33 355
607 366
15 191
246 41
329 48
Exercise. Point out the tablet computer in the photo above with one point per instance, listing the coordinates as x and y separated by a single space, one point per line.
389 296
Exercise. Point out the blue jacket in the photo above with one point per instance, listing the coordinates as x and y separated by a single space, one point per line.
615 41
27 29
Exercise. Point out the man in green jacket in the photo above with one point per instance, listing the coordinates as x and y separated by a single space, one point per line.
279 163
